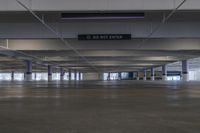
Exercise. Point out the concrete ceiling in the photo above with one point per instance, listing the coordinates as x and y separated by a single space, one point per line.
24 38
98 5
107 58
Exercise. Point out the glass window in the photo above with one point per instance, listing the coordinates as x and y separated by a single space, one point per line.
113 76
5 76
81 76
73 76
105 76
19 76
194 75
77 75
66 76
56 76
40 76
175 78
124 75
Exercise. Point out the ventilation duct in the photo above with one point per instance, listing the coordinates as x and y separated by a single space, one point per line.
93 16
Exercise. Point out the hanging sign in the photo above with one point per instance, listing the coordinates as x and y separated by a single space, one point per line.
104 37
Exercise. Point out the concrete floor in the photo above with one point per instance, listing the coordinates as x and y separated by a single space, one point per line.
100 107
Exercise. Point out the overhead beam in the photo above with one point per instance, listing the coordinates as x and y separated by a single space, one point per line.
177 29
103 5
152 44
102 54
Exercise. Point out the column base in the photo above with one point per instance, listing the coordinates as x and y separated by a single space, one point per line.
164 78
49 78
152 78
138 78
28 77
144 78
185 77
61 78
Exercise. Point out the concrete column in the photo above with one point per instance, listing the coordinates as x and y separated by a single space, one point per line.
145 74
62 74
35 75
28 75
108 76
100 75
49 73
70 74
12 75
164 72
75 75
79 75
119 75
152 74
134 75
138 77
130 75
185 75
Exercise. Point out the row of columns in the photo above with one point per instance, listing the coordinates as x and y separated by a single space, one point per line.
185 76
185 71
28 74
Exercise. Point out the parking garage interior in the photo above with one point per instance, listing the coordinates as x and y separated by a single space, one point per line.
91 66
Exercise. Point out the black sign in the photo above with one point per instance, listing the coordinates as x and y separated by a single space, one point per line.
104 37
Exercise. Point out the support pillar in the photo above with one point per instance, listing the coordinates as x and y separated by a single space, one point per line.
119 75
108 76
70 74
130 75
35 75
12 75
152 74
62 74
75 75
28 75
138 76
145 74
100 76
79 76
49 73
185 75
164 72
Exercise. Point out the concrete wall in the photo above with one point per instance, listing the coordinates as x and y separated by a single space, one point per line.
194 75
91 76
157 74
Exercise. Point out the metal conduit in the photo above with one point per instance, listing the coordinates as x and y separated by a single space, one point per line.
27 56
165 19
57 35
75 50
